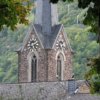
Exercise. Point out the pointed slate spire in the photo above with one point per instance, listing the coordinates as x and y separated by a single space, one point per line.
46 15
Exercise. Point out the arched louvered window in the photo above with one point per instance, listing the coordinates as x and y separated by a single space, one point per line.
34 69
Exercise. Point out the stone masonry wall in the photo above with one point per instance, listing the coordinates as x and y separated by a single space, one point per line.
45 91
52 66
68 66
24 66
47 66
33 91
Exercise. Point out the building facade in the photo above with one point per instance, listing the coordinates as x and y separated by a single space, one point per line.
46 54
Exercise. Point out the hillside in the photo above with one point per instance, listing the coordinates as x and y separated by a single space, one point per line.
82 42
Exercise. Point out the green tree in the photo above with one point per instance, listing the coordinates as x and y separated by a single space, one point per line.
10 41
92 16
13 12
93 75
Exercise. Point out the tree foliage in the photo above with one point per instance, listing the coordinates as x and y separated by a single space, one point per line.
93 75
92 17
13 12
9 43
82 42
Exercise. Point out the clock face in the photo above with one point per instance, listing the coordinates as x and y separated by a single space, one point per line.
60 45
33 44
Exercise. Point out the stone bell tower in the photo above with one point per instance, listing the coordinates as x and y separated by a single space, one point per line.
45 54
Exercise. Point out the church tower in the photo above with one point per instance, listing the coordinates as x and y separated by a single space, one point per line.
46 54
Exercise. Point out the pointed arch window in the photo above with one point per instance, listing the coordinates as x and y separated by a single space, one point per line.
59 66
34 68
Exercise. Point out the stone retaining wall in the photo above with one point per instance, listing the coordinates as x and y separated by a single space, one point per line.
33 91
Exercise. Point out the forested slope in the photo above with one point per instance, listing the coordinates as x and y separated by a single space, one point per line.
82 42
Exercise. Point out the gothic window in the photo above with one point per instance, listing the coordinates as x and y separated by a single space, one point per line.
59 66
34 69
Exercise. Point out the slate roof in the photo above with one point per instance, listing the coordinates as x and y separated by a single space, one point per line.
47 40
